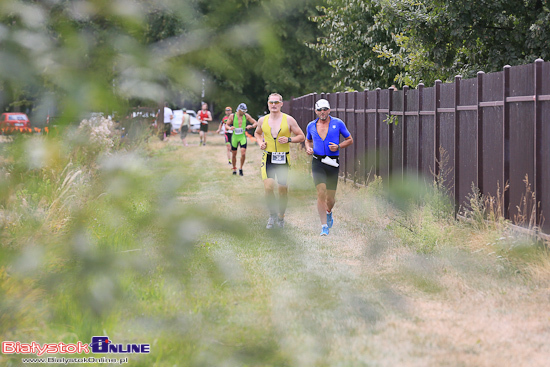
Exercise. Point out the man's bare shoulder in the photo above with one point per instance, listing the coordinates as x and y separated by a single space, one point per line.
291 120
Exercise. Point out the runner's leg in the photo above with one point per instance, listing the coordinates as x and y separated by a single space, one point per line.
283 200
228 145
322 202
331 199
243 156
269 187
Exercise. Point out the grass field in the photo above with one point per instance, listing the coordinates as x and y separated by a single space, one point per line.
164 246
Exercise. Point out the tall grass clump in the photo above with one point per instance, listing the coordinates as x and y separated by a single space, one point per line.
484 211
425 212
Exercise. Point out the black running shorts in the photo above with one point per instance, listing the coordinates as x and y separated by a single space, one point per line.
323 173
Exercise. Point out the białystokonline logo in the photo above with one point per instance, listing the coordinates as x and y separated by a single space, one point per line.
99 344
102 344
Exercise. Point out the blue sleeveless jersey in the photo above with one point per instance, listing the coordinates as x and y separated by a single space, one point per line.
335 129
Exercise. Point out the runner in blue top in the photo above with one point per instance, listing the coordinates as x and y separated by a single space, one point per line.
323 142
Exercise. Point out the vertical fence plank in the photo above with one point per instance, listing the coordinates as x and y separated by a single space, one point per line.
427 140
521 139
506 134
457 141
371 134
537 180
437 145
390 132
349 119
404 129
411 133
353 148
360 138
379 146
385 135
544 149
342 105
419 155
479 134
467 139
446 118
396 132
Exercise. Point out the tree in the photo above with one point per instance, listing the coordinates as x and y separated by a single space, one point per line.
352 30
95 55
262 49
429 40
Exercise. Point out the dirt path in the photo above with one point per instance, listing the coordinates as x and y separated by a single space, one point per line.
360 296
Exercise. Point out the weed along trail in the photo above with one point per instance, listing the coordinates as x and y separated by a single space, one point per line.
387 287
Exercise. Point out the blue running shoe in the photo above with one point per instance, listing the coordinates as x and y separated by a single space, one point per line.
330 221
324 232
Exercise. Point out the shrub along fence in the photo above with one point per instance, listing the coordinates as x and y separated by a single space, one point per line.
494 130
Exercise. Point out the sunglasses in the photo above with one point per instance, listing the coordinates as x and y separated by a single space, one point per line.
322 109
274 102
228 109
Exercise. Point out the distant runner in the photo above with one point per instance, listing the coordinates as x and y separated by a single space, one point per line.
237 124
273 135
204 116
168 116
227 133
323 142
185 123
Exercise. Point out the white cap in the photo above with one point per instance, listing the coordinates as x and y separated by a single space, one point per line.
322 103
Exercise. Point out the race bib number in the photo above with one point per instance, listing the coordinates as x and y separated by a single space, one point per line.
278 157
238 130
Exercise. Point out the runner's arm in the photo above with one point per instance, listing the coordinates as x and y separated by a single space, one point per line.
259 134
229 123
346 143
309 146
294 128
252 121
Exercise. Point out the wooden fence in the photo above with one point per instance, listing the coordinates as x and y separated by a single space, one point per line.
495 130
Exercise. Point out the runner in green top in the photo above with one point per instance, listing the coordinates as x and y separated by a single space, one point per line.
237 122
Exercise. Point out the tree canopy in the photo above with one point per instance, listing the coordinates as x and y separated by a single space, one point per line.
425 40
95 55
